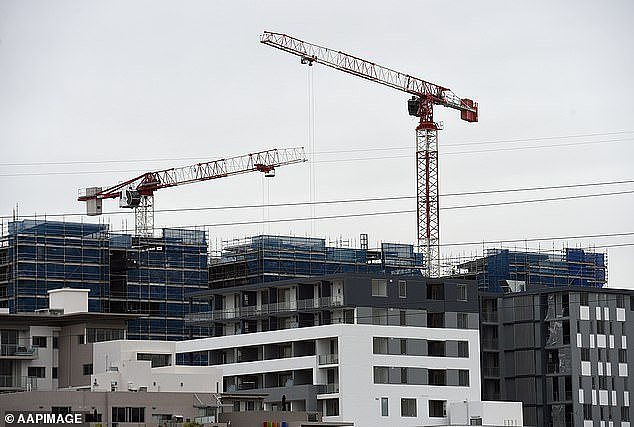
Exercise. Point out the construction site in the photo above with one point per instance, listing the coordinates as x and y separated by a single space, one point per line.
264 230
153 271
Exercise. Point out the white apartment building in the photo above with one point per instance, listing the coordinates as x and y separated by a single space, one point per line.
401 353
52 348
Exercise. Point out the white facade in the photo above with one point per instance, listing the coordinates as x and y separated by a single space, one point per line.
353 386
69 300
489 413
117 369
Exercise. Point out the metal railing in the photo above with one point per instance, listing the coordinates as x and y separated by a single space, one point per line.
490 343
491 371
328 359
18 350
489 316
17 382
327 388
264 309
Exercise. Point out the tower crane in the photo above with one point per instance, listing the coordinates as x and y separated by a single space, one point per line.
424 96
138 192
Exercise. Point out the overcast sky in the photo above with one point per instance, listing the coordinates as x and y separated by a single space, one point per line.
126 83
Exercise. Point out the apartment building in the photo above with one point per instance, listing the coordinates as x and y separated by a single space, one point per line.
562 351
52 348
370 348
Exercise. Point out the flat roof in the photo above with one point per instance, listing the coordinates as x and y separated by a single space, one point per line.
65 319
312 279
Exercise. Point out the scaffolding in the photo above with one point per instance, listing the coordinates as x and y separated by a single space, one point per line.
124 273
37 256
267 258
509 270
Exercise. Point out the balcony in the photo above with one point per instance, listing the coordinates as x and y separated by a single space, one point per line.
9 383
491 371
264 309
327 388
16 351
328 359
490 343
489 316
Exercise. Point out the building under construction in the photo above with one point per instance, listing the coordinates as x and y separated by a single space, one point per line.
125 274
268 258
509 271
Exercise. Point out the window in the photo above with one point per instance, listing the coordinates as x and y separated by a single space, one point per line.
463 349
92 417
39 342
402 289
87 369
332 407
463 321
603 383
55 342
128 415
583 298
462 292
385 411
436 348
250 405
437 408
408 407
103 334
625 413
379 345
622 356
379 316
463 377
585 354
80 339
620 301
158 360
437 376
379 287
403 318
435 291
403 346
381 375
403 375
36 372
54 372
600 327
587 412
435 320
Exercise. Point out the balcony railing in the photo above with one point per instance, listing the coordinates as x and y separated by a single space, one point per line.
491 371
490 343
10 382
327 388
18 351
489 316
264 309
328 359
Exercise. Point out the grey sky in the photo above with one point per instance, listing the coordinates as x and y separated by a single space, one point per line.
87 80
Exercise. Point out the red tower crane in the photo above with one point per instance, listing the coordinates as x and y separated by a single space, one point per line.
138 192
424 96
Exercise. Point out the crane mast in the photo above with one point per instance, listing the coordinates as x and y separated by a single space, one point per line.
138 192
424 96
